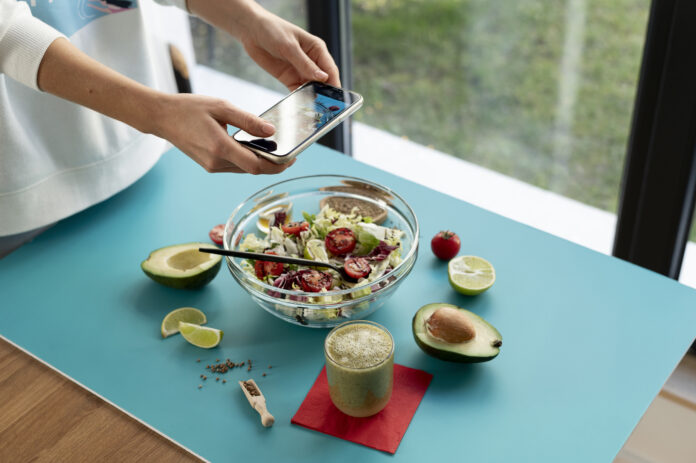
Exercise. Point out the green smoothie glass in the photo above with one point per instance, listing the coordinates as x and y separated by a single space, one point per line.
359 367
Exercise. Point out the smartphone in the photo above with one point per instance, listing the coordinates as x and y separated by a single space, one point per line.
300 119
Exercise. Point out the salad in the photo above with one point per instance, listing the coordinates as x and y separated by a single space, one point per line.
365 250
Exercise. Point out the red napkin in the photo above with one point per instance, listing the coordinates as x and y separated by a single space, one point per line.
382 431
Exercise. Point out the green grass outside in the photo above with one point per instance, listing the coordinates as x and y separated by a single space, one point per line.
480 80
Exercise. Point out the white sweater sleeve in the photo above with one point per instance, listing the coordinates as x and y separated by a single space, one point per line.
23 42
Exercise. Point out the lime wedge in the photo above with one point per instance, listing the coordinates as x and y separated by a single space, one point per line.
170 324
200 336
470 275
316 250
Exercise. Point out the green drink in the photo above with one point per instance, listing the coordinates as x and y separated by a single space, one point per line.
359 367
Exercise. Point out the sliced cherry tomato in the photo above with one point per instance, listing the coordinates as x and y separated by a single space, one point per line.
264 268
216 234
294 228
258 267
313 281
340 241
357 267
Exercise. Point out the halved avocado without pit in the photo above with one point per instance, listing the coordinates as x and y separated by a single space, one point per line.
451 333
182 266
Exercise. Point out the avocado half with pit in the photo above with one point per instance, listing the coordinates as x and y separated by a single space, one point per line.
451 333
182 266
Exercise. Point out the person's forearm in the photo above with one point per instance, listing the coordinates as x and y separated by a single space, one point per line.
232 16
68 73
195 124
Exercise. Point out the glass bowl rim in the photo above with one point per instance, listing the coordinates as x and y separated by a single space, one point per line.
232 265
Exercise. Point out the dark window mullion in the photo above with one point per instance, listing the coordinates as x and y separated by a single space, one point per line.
330 20
657 197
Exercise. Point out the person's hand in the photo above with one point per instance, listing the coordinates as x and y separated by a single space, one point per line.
197 125
288 53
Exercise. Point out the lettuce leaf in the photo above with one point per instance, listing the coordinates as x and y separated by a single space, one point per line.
254 244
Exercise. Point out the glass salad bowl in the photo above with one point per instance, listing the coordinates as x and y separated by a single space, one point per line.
382 217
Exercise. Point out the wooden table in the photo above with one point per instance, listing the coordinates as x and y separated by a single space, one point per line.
50 418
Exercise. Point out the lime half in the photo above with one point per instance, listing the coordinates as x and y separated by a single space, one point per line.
200 336
170 324
470 275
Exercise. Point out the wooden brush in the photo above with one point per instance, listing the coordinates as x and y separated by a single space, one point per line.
257 401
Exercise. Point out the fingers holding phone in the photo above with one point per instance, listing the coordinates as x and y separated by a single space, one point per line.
250 123
241 159
238 156
300 119
197 125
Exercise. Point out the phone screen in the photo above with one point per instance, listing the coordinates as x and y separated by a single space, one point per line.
298 117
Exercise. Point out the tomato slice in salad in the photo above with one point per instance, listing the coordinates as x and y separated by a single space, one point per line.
340 241
313 281
357 267
264 268
294 228
217 233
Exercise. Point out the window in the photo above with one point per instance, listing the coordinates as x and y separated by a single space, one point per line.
541 91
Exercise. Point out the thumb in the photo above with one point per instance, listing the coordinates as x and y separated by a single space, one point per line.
305 67
244 120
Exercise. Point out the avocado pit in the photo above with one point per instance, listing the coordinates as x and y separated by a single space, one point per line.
450 325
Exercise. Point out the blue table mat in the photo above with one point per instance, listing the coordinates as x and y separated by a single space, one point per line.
588 339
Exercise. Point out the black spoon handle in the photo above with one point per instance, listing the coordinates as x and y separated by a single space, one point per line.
268 257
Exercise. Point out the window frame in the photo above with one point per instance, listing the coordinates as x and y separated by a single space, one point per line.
330 21
656 201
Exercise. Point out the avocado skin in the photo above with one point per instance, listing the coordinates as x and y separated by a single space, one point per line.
447 356
193 282
450 356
